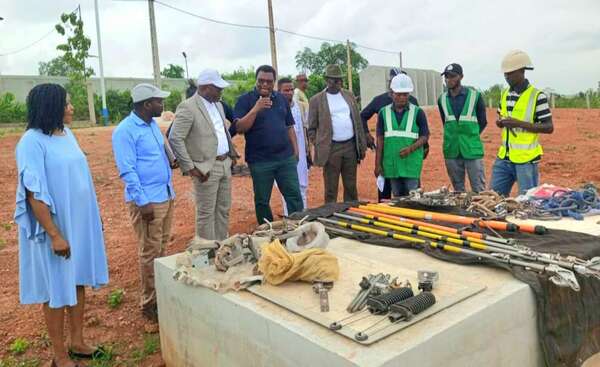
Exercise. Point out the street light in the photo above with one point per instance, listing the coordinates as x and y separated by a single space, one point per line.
187 74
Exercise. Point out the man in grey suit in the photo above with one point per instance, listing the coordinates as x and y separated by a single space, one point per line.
201 142
335 129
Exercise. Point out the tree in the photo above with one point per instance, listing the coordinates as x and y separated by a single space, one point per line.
55 67
76 50
173 71
242 81
315 63
494 92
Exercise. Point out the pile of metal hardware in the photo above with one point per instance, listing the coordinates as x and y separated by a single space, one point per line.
414 226
236 250
387 301
562 203
437 198
489 204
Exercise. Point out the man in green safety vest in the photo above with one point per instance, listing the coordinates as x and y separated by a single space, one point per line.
523 114
463 115
401 133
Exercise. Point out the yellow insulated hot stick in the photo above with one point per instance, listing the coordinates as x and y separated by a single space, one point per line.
421 228
474 245
558 275
358 227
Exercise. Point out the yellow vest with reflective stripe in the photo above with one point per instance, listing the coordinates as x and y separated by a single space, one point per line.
525 146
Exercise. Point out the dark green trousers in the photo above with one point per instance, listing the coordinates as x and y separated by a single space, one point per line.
283 172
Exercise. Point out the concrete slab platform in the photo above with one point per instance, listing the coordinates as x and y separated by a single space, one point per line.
298 297
496 327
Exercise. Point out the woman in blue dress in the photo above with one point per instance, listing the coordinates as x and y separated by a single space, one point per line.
61 245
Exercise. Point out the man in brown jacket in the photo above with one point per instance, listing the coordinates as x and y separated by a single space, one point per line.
201 142
335 129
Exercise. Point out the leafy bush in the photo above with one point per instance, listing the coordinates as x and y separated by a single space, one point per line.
173 100
118 103
242 81
78 93
19 346
115 298
578 100
12 110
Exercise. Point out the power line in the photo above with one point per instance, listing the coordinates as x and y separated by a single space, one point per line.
30 45
33 43
240 25
212 20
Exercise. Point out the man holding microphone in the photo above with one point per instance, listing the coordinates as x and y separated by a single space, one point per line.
264 117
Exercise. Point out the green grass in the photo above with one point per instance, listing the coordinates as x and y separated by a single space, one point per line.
7 226
21 362
2 243
115 298
107 359
19 346
151 346
10 130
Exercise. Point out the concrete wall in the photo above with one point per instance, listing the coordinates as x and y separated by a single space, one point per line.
428 84
20 85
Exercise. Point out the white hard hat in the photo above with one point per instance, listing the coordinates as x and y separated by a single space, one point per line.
402 83
516 60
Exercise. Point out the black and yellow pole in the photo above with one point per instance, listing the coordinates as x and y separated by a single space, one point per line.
558 275
431 233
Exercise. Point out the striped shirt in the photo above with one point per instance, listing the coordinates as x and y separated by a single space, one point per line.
542 109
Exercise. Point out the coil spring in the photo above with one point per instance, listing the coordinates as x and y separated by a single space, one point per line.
412 306
381 304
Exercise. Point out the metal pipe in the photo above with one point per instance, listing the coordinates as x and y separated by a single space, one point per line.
559 276
428 215
426 228
463 233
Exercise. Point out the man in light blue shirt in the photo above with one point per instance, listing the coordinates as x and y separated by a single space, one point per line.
140 155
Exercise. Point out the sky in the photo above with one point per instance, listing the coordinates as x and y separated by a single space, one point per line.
561 37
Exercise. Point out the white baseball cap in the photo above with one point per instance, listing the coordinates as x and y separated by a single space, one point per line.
144 91
401 83
211 76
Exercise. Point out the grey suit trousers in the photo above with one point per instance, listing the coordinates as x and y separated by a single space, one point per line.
213 201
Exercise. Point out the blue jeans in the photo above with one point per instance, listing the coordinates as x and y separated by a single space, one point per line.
401 186
505 173
474 167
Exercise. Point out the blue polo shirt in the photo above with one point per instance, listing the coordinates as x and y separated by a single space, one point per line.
267 140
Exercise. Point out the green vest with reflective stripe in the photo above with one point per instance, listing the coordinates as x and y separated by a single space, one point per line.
461 137
398 136
524 146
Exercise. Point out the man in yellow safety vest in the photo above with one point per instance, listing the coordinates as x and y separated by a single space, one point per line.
523 114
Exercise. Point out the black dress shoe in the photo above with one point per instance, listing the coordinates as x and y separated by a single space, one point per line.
98 353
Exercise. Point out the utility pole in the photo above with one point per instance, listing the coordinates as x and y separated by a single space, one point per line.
102 84
349 62
153 40
272 36
400 59
88 85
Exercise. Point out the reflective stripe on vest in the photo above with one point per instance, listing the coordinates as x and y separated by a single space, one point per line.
470 115
407 132
461 136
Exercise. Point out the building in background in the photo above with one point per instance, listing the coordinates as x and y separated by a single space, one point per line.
428 83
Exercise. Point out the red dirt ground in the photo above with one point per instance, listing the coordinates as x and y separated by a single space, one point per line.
570 159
